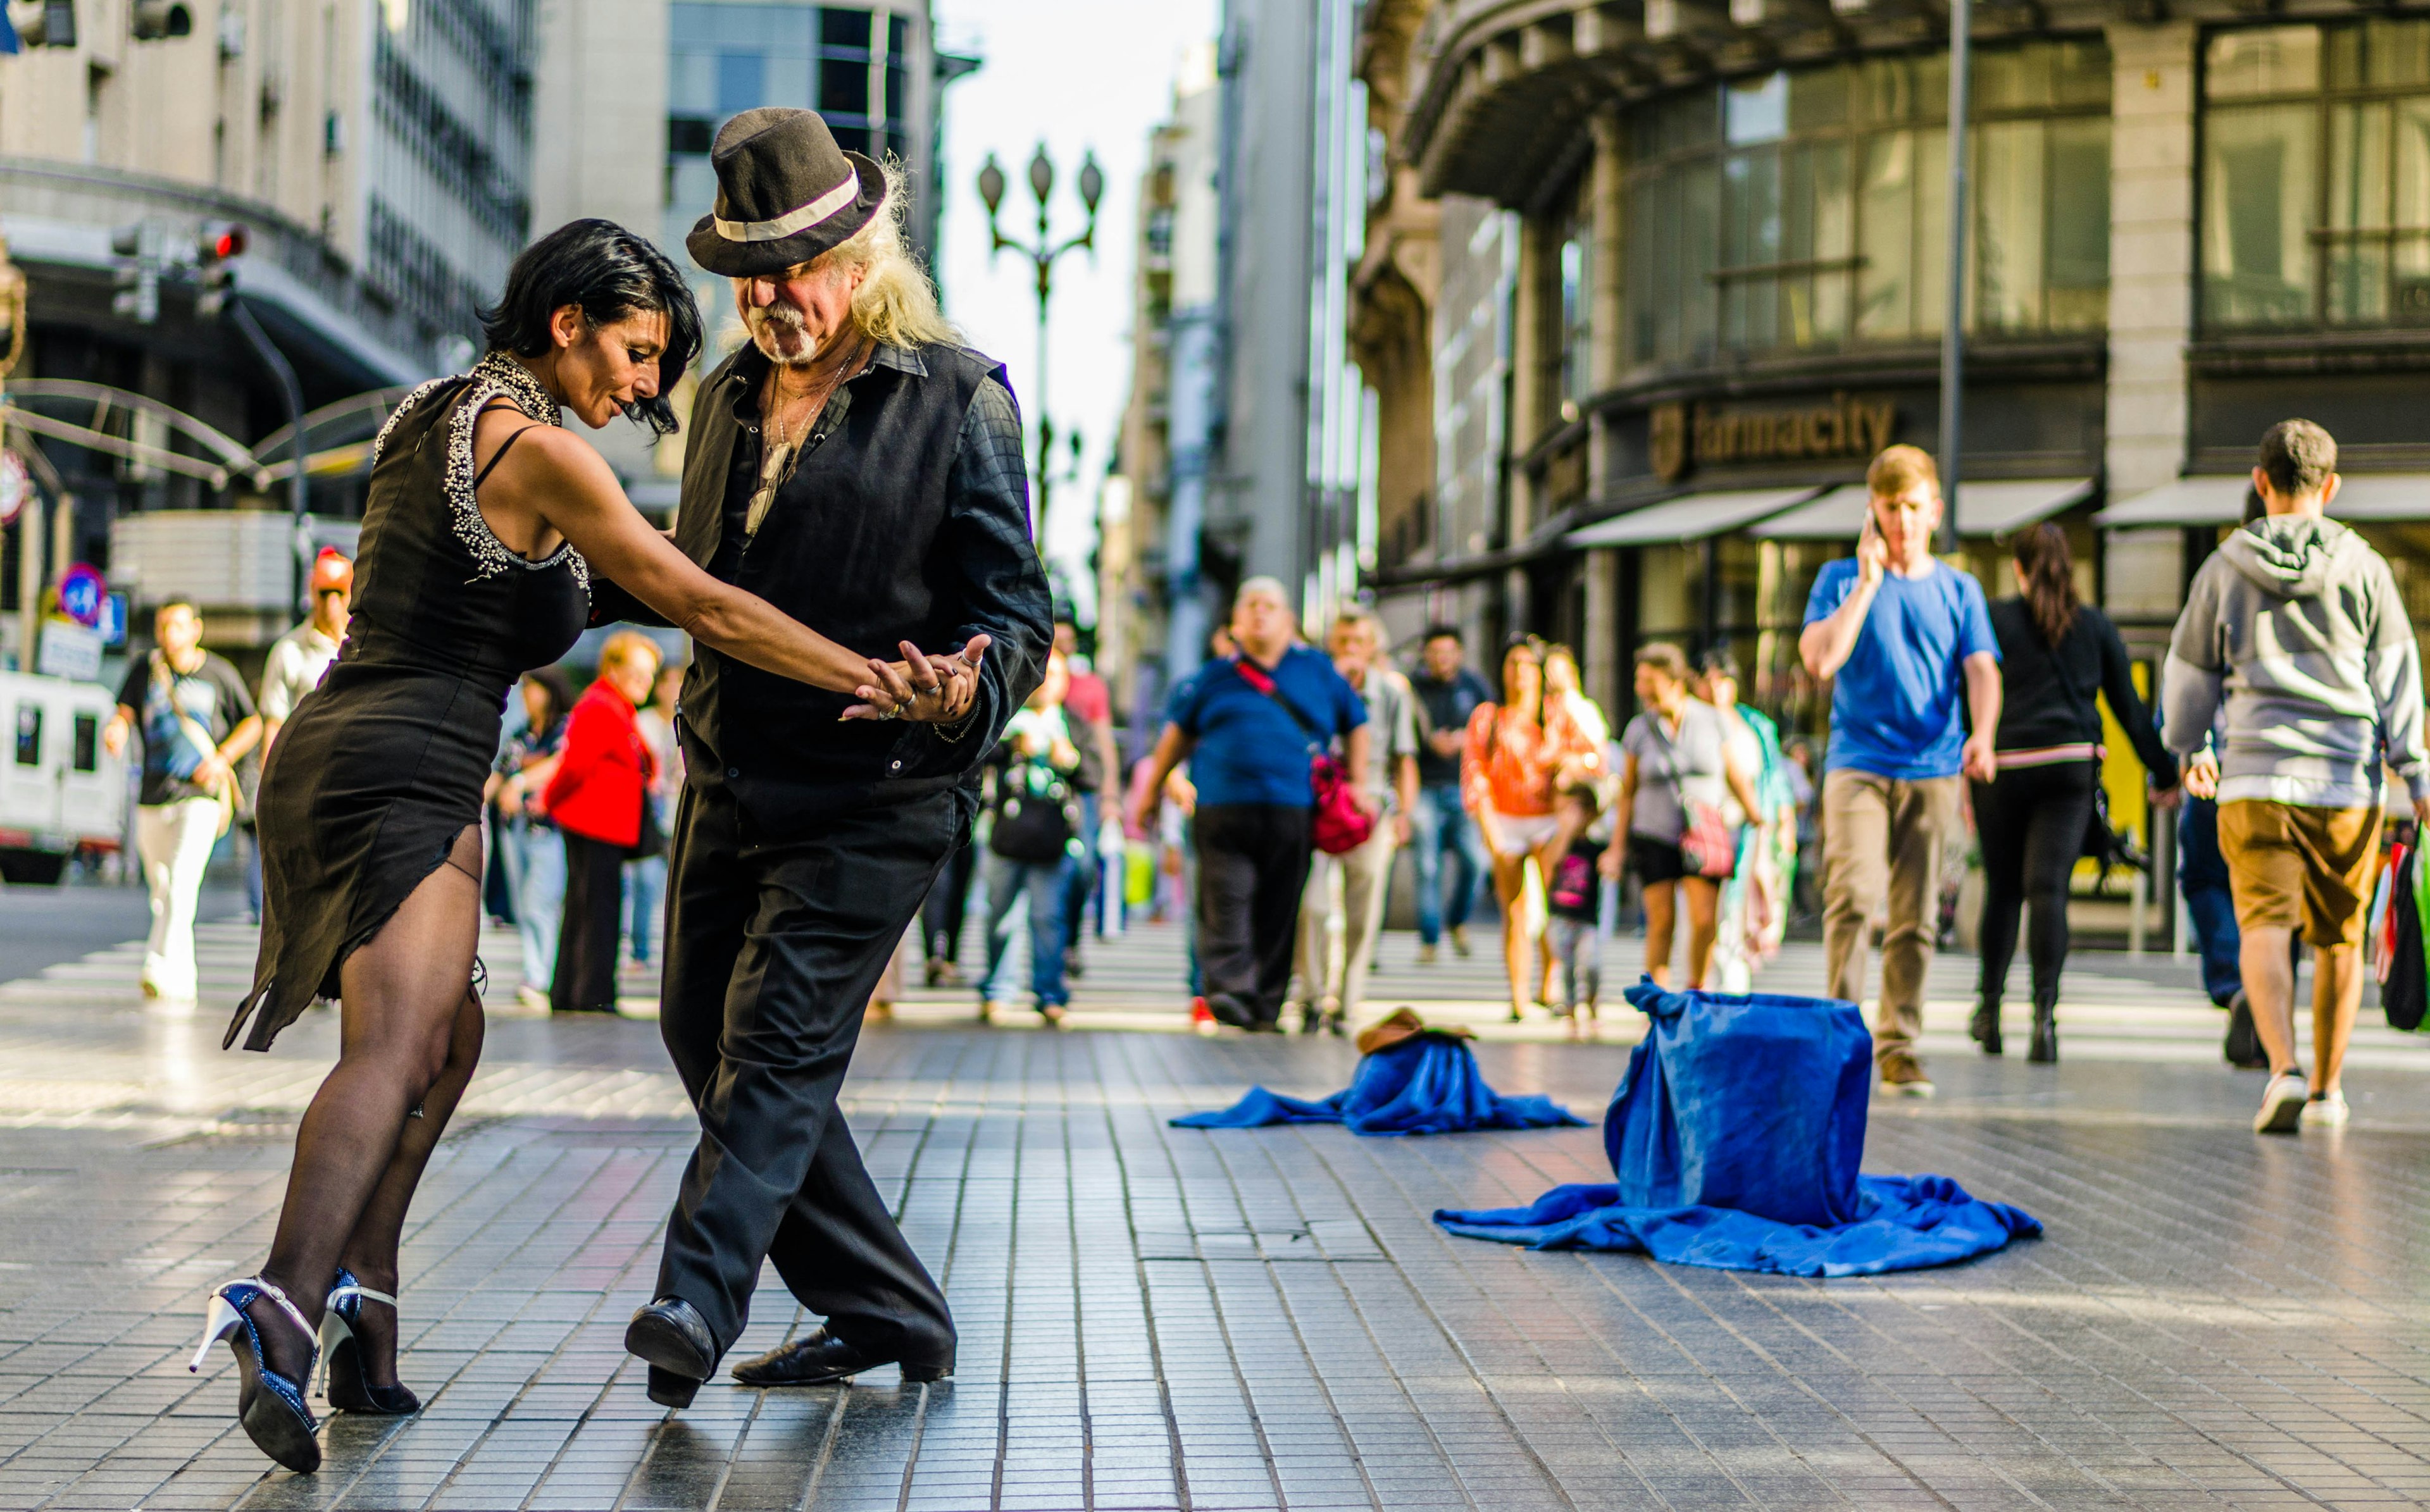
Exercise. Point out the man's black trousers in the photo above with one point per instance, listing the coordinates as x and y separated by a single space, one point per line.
1252 866
773 950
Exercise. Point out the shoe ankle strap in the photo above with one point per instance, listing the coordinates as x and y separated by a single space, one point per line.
355 1288
271 1290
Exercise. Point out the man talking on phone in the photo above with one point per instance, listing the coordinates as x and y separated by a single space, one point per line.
1905 637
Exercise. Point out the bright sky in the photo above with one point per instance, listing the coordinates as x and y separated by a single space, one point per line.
1078 75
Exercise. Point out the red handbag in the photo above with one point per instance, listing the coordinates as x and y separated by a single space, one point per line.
1337 824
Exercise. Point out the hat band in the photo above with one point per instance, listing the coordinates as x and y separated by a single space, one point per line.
800 218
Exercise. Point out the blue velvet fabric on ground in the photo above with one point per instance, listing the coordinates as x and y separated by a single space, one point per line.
1736 1138
1427 1084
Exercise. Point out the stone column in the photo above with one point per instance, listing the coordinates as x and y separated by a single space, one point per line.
1601 640
1601 650
2150 252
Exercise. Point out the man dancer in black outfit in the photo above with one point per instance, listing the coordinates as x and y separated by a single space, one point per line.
858 469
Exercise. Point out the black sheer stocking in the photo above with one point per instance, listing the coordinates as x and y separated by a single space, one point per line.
411 1037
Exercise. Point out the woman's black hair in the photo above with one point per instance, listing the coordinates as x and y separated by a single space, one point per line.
610 272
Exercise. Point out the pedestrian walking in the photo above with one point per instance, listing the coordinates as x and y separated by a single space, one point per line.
2296 632
1578 786
301 658
1678 769
1088 710
527 840
293 668
197 721
645 874
1247 723
1033 846
483 526
857 464
1574 917
1342 910
1906 641
1753 908
1517 753
2031 819
599 798
1448 693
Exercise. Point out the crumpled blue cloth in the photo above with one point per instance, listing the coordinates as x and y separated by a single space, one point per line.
1427 1084
1735 1136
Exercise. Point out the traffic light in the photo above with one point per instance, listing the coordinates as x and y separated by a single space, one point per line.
216 246
137 277
152 20
45 23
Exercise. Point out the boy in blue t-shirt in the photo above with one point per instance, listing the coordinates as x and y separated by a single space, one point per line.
1908 640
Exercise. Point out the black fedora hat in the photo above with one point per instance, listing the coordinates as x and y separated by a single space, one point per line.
785 193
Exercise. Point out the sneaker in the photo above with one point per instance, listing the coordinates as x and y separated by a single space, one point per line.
1426 955
1459 940
2242 1047
1903 1075
2326 1110
1202 1018
2283 1105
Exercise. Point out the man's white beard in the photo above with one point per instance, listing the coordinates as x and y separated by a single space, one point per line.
782 337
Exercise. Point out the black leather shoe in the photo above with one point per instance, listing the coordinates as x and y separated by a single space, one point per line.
671 1334
818 1357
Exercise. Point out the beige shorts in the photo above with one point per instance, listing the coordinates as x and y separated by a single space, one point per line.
1520 834
2292 866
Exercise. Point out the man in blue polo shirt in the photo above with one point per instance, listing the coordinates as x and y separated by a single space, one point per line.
1248 755
1907 638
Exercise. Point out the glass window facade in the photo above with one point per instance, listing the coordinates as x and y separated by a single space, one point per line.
2316 176
1806 209
847 62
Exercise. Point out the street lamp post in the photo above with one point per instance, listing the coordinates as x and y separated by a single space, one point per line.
1952 327
1042 254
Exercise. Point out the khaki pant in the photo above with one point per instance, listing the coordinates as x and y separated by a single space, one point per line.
174 841
1351 886
1882 841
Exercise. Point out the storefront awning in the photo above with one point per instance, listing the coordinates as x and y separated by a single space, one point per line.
2204 500
2387 497
1992 508
1691 518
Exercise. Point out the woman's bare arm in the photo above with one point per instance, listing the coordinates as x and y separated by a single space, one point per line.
559 480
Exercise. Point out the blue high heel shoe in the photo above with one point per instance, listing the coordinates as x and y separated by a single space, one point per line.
269 1404
344 1382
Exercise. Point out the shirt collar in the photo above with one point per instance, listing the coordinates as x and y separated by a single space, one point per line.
751 365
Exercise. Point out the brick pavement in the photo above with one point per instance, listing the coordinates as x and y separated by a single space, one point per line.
1162 1319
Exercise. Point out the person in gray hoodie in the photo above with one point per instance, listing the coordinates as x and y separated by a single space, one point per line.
2295 625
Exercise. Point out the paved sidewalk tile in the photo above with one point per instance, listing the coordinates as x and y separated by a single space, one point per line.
1161 1318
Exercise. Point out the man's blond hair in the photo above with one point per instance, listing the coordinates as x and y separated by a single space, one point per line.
1899 469
897 302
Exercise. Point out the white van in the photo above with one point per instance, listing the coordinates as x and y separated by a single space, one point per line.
59 792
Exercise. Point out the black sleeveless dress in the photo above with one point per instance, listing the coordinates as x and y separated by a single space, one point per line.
381 768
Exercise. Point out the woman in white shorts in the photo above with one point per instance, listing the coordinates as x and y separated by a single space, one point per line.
1509 779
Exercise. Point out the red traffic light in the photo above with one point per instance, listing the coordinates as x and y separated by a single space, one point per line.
220 240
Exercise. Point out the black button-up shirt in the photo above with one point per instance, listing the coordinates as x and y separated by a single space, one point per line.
906 516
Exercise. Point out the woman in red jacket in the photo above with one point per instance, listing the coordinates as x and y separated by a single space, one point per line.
595 799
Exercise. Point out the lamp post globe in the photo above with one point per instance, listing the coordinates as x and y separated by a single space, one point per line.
1041 176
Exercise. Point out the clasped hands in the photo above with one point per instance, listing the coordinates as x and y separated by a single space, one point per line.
931 689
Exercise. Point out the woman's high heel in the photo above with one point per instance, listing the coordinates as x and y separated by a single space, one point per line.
269 1406
344 1382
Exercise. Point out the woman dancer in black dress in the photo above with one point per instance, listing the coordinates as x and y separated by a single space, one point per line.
483 523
